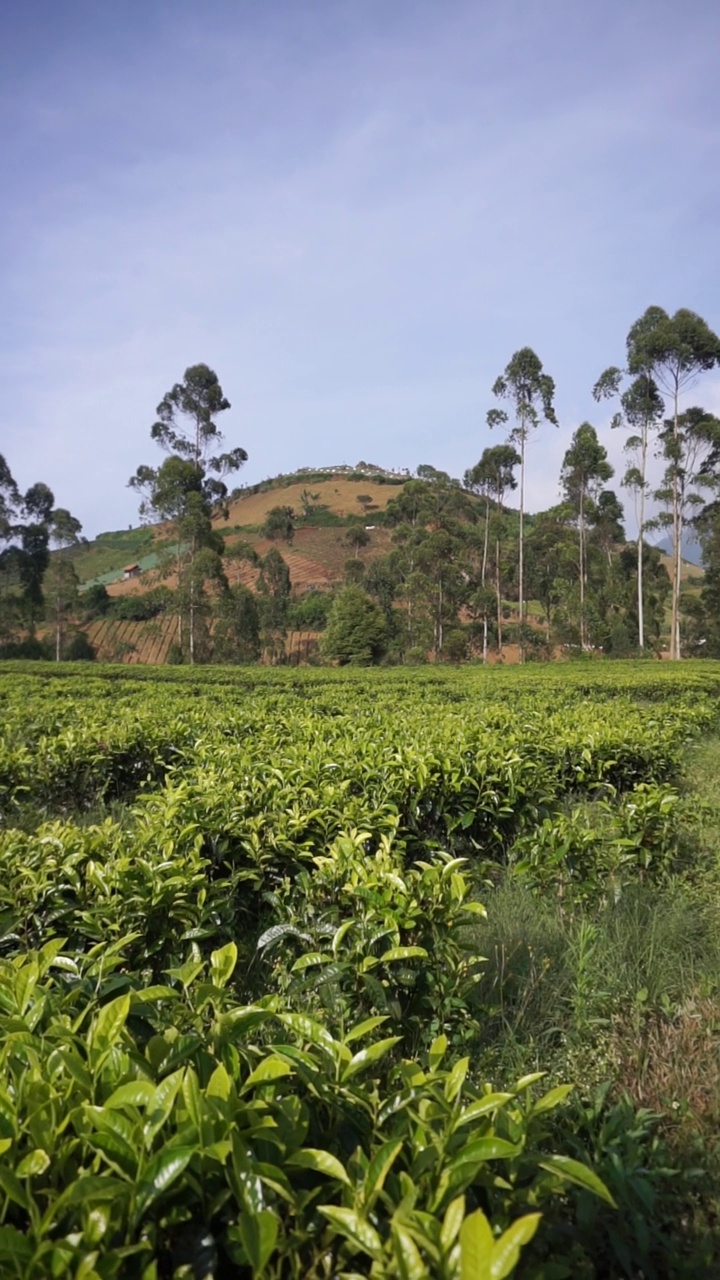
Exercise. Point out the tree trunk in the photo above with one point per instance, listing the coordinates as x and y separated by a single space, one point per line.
641 600
581 527
485 541
483 574
191 634
521 562
677 560
499 597
58 623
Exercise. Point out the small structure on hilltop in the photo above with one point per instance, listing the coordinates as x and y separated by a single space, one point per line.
131 571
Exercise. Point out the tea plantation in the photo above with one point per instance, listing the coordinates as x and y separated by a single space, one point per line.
322 974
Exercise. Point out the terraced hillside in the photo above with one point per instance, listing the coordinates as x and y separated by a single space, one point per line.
316 557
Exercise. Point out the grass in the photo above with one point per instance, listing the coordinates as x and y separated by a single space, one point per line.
624 998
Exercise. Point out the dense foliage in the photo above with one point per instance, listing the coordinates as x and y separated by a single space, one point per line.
244 1020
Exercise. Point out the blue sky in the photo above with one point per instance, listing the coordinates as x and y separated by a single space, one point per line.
353 210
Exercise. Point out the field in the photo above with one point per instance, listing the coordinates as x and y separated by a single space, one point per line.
316 973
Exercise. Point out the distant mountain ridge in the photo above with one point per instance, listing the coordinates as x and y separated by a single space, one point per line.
691 549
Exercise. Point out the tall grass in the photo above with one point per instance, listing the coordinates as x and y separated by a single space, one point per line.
560 986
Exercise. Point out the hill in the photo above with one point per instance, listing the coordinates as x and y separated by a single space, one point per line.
316 557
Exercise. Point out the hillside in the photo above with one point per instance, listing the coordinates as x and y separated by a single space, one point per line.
316 557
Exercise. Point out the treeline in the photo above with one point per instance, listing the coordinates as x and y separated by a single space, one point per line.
466 575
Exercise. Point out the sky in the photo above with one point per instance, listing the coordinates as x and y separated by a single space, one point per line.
354 211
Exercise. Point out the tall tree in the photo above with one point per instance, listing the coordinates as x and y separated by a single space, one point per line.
690 447
641 408
186 423
25 521
530 392
274 586
492 477
61 577
356 631
585 470
236 637
674 351
188 490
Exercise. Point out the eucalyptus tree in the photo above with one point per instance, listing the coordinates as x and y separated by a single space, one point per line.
549 555
274 586
187 490
673 351
530 392
186 423
641 408
492 477
236 637
61 577
607 523
690 448
25 523
585 469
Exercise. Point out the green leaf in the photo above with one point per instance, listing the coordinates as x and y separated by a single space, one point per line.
13 1188
491 1102
277 932
311 958
258 1233
159 1174
192 1096
403 953
89 1188
237 1022
269 1069
407 1255
35 1163
579 1174
527 1081
136 1093
222 964
506 1250
153 995
438 1049
161 1106
310 1030
378 1170
366 1057
219 1084
118 1153
452 1222
476 1244
110 1022
354 1228
483 1149
364 1028
552 1099
456 1079
321 1162
15 1248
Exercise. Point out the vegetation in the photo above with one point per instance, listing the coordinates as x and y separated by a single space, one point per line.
187 491
356 631
456 573
267 936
